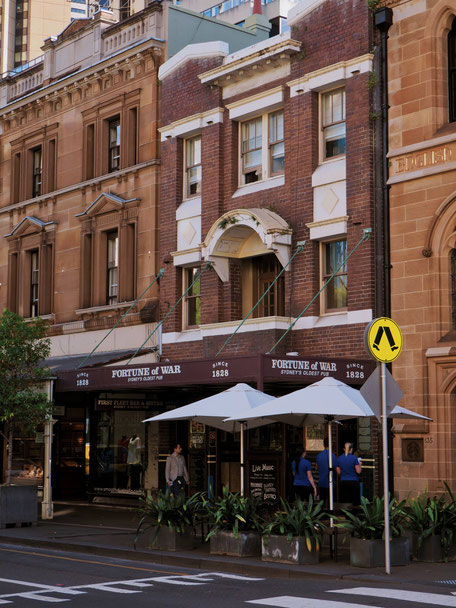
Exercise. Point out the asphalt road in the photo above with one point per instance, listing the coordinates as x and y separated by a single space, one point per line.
38 577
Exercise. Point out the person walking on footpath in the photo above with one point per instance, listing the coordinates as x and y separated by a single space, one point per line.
348 468
176 471
303 481
323 472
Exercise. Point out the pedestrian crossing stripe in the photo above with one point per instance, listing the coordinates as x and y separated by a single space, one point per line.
383 339
417 597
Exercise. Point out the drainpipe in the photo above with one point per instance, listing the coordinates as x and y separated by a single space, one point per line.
383 21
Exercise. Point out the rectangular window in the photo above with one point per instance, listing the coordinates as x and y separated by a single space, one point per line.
335 294
276 143
333 123
34 278
193 166
251 150
262 147
37 175
114 145
112 267
192 300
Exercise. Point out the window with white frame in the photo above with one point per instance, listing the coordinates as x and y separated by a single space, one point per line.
37 177
333 259
262 147
333 123
192 167
192 299
112 269
34 284
114 145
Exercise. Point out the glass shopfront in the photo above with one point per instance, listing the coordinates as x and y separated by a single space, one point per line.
28 458
120 450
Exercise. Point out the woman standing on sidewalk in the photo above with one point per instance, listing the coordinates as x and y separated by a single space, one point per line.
348 468
303 479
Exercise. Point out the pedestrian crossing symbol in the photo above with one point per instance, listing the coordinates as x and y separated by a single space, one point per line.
383 339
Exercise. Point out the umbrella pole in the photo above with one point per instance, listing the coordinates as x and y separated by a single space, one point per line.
331 477
242 459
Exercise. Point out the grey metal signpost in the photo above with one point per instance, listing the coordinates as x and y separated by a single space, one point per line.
383 340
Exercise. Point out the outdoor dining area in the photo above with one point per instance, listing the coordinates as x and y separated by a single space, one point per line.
294 531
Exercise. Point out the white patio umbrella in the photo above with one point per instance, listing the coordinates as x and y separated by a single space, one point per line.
327 400
235 402
324 401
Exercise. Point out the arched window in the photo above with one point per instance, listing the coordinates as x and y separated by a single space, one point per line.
452 72
453 287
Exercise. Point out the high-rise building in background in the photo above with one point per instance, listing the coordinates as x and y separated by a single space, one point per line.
24 26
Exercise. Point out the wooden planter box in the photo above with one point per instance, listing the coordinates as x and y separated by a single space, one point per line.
429 551
371 553
276 548
247 544
170 540
18 505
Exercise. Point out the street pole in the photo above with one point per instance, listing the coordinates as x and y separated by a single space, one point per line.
47 506
242 459
385 467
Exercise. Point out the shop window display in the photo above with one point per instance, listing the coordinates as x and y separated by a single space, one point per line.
120 451
28 458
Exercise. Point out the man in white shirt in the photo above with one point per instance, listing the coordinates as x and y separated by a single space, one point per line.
176 471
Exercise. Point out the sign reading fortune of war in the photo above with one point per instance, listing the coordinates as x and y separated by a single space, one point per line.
383 339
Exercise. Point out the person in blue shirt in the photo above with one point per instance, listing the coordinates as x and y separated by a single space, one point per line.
323 472
348 468
303 481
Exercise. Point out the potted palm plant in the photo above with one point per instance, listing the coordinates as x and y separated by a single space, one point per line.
294 536
168 520
366 529
432 522
235 525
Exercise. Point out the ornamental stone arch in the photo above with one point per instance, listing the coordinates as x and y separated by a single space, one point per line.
245 233
437 26
440 242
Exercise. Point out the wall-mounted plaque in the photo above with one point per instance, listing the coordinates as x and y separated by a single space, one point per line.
413 450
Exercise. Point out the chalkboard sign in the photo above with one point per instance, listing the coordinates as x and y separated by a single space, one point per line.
197 472
263 480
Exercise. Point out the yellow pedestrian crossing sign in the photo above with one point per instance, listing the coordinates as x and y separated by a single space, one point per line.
383 339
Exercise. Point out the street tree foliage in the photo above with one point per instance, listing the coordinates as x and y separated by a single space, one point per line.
23 347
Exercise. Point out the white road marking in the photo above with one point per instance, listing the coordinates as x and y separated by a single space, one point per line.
41 592
38 586
417 597
288 601
109 587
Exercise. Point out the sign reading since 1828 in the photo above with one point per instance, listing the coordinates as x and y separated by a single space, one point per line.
239 369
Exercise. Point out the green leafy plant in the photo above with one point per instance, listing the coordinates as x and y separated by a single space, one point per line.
233 512
228 220
373 5
177 512
372 80
369 522
23 403
299 519
432 516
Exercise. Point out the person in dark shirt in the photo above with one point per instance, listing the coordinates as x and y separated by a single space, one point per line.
323 472
348 468
303 481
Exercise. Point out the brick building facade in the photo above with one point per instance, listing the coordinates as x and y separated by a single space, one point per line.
263 149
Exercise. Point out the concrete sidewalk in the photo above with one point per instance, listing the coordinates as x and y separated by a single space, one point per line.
110 531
